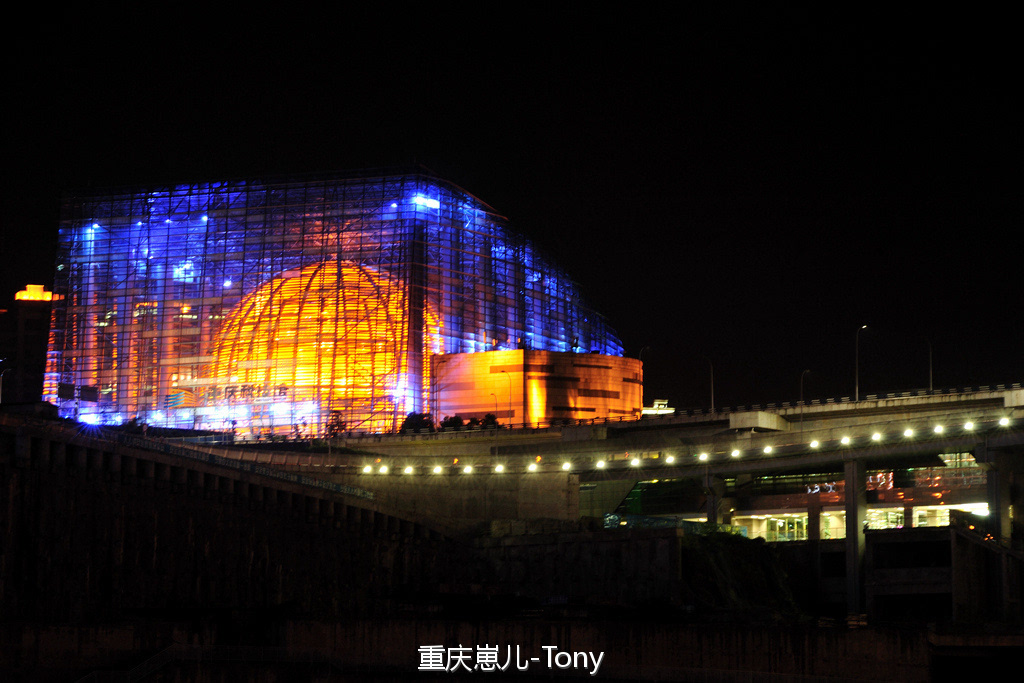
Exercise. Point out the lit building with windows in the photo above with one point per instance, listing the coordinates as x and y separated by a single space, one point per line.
291 306
24 325
538 388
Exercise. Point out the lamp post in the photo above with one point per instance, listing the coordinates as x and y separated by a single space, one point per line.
802 401
856 364
712 366
640 357
711 370
2 383
930 385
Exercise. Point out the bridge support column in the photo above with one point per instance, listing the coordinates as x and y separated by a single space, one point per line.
1003 470
714 489
856 516
813 517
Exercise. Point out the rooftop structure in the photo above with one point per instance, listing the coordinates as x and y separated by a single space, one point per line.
292 305
24 324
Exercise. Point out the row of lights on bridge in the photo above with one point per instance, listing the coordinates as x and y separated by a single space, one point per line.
876 437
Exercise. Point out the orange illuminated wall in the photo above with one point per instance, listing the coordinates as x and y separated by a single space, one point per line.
537 387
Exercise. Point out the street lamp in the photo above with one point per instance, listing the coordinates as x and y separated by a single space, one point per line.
802 400
640 357
711 368
856 363
930 385
712 386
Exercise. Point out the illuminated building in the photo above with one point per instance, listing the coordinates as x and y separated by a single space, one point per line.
33 293
538 387
293 305
23 331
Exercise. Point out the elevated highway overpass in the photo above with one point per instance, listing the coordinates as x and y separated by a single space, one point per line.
841 440
465 478
400 497
888 432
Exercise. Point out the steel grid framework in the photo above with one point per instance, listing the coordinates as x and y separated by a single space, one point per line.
289 305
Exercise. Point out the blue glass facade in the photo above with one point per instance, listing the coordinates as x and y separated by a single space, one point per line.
292 302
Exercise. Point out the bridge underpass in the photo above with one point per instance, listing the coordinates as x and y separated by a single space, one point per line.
998 451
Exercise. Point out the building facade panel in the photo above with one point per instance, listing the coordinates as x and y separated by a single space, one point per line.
538 388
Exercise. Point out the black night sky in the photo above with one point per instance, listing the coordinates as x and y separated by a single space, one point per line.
737 186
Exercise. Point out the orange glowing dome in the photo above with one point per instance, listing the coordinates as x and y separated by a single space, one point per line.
331 340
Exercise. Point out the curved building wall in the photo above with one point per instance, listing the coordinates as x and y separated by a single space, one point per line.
292 304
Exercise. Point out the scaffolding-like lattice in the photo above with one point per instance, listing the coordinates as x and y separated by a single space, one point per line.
291 305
